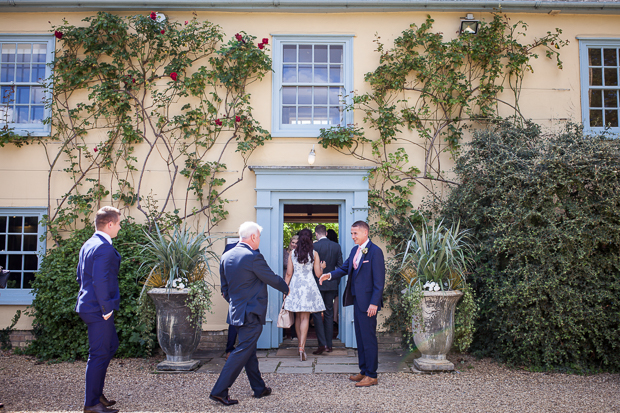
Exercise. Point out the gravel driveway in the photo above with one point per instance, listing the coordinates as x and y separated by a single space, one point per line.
480 386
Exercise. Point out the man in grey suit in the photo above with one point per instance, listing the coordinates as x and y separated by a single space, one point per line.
244 275
330 252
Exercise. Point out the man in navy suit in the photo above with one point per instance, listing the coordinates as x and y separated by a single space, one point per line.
99 297
244 275
366 269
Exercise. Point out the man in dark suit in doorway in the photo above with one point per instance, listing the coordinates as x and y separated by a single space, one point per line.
99 297
366 269
331 253
244 275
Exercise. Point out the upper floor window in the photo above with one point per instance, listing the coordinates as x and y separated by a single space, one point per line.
20 251
599 63
311 80
24 65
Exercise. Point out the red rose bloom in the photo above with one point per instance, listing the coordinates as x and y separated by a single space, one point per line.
133 80
260 45
239 37
186 22
237 118
153 15
58 34
95 149
163 31
265 40
218 122
173 76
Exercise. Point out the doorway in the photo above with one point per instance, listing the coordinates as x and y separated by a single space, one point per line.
345 188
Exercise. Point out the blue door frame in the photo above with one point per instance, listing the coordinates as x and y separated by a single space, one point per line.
277 186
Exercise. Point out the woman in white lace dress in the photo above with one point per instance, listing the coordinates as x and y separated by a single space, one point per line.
304 296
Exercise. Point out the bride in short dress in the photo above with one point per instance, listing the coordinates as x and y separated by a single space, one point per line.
304 296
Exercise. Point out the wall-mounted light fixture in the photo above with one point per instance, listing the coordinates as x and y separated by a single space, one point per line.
469 25
311 156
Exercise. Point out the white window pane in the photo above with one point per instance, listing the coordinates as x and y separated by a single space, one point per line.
22 114
23 53
8 52
320 96
289 95
23 94
305 74
335 94
335 54
288 115
305 53
320 54
320 115
335 115
39 52
22 73
38 73
305 95
335 74
320 74
7 73
289 53
37 114
305 115
6 114
289 74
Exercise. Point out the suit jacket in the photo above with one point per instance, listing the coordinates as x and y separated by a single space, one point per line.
97 274
244 275
330 252
367 281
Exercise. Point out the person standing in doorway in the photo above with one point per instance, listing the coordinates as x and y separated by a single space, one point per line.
331 253
244 275
99 297
366 270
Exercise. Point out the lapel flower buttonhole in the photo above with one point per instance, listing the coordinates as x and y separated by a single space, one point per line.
364 251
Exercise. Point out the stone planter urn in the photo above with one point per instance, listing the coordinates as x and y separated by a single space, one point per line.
177 336
435 339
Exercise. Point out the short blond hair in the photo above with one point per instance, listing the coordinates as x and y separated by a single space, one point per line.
105 215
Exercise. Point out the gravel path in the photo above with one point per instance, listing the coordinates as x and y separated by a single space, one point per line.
480 386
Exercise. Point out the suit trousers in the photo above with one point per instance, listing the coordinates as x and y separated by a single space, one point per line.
243 356
102 344
367 347
324 326
232 338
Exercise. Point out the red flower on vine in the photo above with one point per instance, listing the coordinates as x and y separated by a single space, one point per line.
163 31
133 80
260 45
218 122
265 40
186 22
58 34
237 118
173 76
153 15
95 149
239 37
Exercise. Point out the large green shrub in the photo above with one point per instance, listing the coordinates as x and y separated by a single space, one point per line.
545 210
59 332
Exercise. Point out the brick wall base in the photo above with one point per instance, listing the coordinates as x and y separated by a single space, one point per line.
21 338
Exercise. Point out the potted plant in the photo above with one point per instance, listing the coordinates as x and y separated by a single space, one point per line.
178 263
434 265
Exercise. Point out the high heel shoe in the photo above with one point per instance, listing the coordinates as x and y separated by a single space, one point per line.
302 354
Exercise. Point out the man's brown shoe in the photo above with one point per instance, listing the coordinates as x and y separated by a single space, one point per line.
320 350
357 377
367 382
106 402
98 408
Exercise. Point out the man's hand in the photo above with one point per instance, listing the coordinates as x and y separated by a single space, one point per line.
372 310
108 315
323 264
325 277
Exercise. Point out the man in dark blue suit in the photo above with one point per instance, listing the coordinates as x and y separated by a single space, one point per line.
366 269
244 275
99 297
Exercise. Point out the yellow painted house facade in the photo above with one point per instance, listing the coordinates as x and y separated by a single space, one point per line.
319 49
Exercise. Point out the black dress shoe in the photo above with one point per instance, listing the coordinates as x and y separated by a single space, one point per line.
106 402
328 349
226 401
265 392
98 408
320 350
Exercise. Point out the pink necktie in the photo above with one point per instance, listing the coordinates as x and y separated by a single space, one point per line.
357 255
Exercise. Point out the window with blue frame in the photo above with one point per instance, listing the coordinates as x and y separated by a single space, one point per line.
24 66
311 82
599 65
